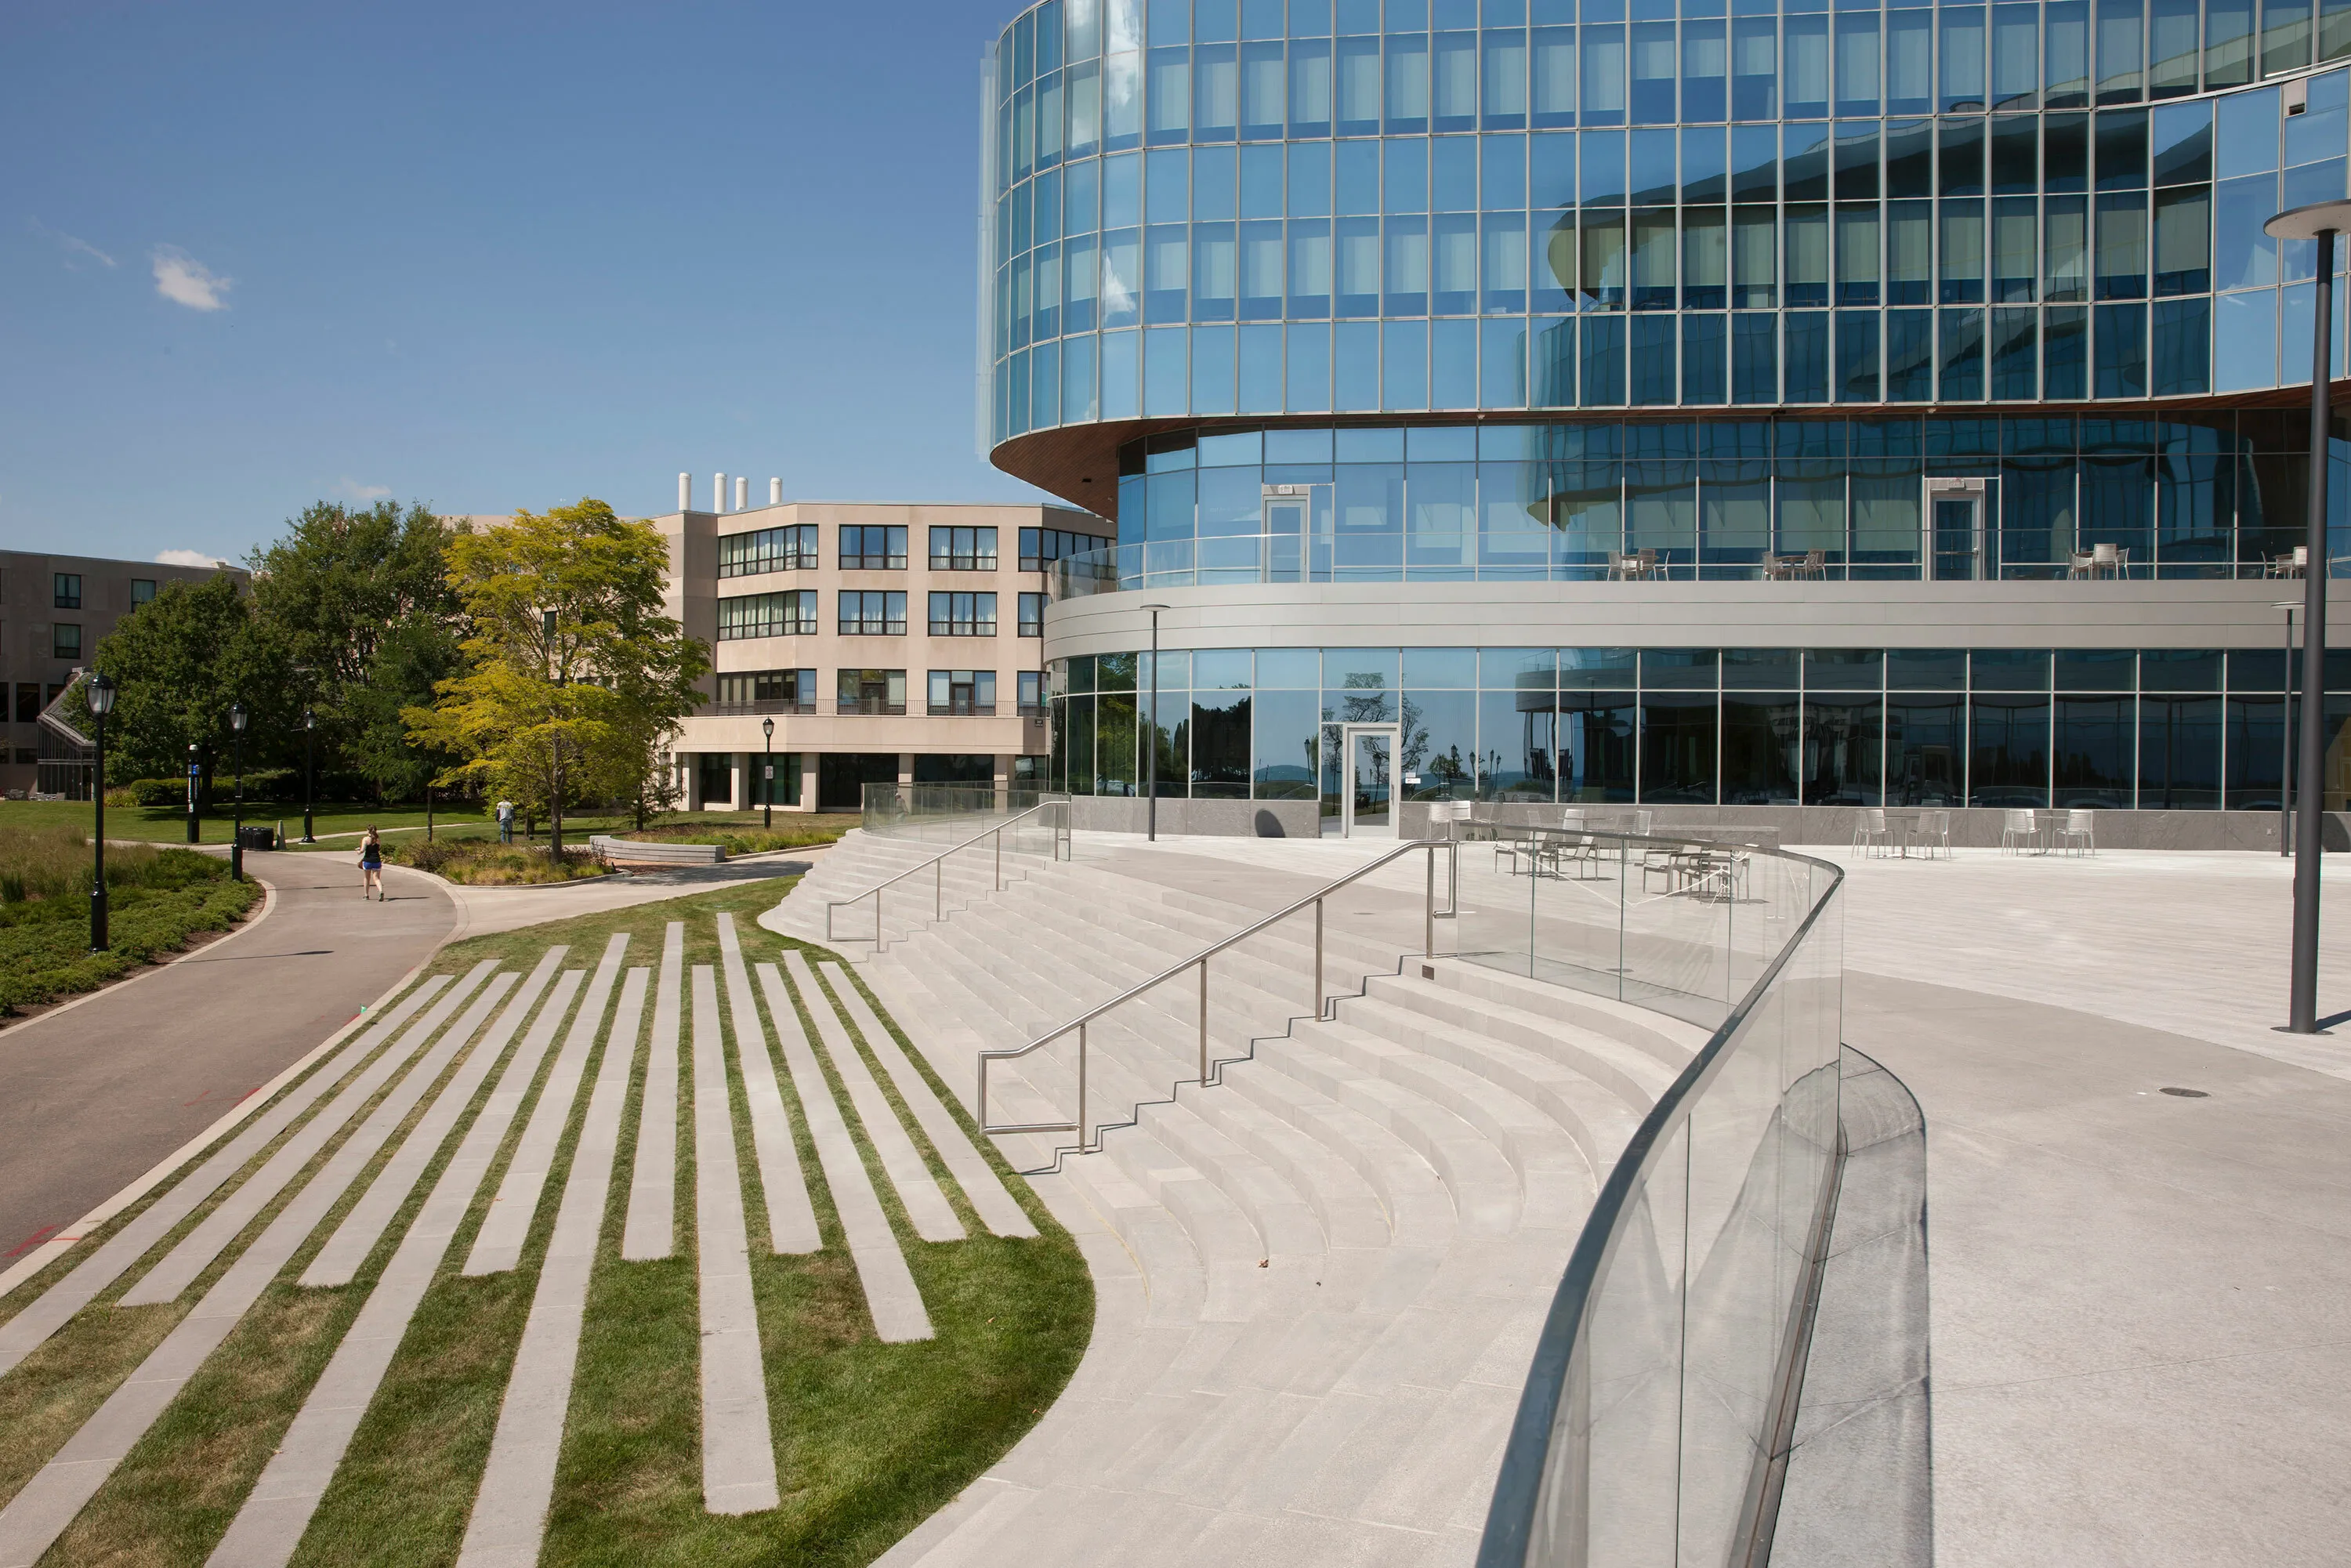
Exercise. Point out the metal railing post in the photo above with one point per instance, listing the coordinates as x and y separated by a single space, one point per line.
1318 957
1082 1089
982 1092
999 860
1204 1023
939 888
1429 909
878 943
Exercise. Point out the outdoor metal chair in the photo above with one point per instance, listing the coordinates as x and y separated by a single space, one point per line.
1932 832
2019 830
1869 830
2294 563
2079 832
1628 566
2109 560
1814 565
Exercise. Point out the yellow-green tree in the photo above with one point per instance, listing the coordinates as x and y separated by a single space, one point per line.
575 678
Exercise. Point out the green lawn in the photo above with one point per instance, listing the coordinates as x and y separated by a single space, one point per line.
158 898
169 825
871 1438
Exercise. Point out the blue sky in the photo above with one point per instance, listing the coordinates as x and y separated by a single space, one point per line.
483 256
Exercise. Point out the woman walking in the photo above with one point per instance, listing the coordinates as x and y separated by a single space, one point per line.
371 865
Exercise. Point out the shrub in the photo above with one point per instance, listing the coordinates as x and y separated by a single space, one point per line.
157 899
748 840
482 862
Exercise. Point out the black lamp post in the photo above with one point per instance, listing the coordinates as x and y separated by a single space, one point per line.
237 830
555 799
100 694
2321 221
767 772
310 737
1151 744
193 774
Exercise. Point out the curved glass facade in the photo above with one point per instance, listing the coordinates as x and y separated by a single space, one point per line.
2117 728
1208 208
2201 495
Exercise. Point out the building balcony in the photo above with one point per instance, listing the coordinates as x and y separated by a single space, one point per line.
877 706
770 705
964 710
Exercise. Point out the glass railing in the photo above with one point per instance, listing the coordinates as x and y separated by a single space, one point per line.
944 813
1655 1424
1251 558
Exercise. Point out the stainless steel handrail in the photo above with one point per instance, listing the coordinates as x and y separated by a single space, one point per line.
1430 915
936 864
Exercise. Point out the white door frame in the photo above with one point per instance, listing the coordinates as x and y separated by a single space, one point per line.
1970 490
1347 737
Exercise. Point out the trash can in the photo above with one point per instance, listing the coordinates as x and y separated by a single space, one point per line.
257 837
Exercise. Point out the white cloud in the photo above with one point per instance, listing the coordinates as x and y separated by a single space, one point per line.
356 491
75 249
183 280
186 558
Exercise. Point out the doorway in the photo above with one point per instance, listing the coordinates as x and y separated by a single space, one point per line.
1958 536
1367 786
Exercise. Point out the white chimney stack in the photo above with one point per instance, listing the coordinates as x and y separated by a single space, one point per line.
775 492
718 492
684 492
742 492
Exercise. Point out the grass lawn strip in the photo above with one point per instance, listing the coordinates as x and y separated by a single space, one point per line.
509 1517
891 1297
356 1238
651 1228
996 1206
791 1221
57 1304
48 1503
498 1246
278 1510
181 1265
738 1455
871 1438
918 1189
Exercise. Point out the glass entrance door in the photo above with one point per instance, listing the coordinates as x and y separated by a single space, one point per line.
1367 793
1958 538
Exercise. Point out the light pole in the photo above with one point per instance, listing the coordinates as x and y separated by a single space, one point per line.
767 773
310 737
1151 741
193 774
100 694
2285 741
2321 221
555 797
237 829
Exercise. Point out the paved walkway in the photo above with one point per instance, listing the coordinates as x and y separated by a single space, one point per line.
2137 1298
485 911
92 1096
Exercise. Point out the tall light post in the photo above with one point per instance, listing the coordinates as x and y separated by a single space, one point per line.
194 833
237 829
310 738
100 694
555 797
1151 741
2320 221
767 772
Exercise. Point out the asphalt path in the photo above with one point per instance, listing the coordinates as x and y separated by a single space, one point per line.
92 1096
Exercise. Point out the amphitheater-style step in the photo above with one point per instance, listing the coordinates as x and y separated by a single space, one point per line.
1320 1277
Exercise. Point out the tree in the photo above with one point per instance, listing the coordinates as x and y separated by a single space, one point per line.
573 674
362 604
178 663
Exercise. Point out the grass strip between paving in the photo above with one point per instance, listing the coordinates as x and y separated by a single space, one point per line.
871 1438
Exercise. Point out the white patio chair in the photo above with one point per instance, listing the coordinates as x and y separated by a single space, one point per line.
2080 832
1869 830
2105 560
1933 832
2018 828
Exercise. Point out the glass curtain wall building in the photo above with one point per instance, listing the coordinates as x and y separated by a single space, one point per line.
1351 302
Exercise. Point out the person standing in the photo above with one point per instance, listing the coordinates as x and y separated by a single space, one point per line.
506 821
371 865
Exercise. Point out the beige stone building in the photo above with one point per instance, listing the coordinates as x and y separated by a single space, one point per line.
54 611
889 644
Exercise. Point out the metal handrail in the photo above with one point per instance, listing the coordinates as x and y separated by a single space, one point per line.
936 864
1430 915
1518 1491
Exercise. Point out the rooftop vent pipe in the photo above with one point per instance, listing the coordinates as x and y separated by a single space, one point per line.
742 492
718 492
684 492
775 492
